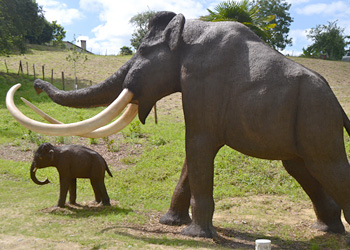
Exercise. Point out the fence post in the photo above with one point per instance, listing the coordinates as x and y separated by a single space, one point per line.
155 114
7 69
27 69
43 69
63 81
51 76
34 71
20 69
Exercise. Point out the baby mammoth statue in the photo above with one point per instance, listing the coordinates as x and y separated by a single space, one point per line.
72 161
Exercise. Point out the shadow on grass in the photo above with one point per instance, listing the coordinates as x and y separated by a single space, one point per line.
86 211
227 238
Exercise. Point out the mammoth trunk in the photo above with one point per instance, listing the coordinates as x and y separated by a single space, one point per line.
98 95
33 176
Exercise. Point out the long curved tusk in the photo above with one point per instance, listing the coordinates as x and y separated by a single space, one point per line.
107 130
41 113
83 127
115 126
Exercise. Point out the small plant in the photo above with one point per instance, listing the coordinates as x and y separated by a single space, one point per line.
33 137
93 141
110 145
158 141
60 140
76 57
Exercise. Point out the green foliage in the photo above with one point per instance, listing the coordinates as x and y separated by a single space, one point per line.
93 141
328 40
244 12
23 21
134 130
278 37
140 21
124 51
34 138
58 32
310 52
111 145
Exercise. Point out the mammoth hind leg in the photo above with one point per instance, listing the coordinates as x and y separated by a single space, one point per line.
96 189
327 210
100 191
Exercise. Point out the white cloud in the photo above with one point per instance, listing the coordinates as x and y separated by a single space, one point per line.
300 41
115 30
339 9
57 11
296 2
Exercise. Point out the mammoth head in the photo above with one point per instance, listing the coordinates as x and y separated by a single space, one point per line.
43 157
152 73
155 72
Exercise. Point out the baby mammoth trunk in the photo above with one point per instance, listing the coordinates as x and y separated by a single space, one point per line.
33 176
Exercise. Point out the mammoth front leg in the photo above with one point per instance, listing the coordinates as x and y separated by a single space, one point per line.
177 214
200 155
64 186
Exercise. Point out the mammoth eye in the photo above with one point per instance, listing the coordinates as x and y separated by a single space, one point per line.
40 158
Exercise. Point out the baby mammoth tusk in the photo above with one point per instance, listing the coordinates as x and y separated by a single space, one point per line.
83 127
107 130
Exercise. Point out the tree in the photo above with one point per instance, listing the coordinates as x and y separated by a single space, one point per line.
280 9
244 12
58 32
141 22
11 31
76 57
124 51
23 21
328 40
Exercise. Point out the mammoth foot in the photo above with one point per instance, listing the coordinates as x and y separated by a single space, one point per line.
174 219
336 227
195 230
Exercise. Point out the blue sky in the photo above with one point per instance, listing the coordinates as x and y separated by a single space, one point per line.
105 23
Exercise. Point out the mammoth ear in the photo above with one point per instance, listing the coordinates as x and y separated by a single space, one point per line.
173 31
51 153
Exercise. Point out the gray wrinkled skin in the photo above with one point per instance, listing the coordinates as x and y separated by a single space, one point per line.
72 162
239 92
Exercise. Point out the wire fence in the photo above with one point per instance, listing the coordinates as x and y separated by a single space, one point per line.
48 75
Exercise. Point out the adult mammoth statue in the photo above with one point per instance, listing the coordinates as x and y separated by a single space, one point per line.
236 91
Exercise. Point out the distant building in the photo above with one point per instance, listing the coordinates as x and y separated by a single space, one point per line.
70 46
346 58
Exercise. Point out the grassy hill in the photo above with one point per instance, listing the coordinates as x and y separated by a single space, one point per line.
254 198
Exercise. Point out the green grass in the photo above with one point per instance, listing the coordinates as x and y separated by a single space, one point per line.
142 192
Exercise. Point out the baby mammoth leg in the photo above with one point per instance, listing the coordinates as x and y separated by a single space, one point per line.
64 186
73 191
104 194
95 187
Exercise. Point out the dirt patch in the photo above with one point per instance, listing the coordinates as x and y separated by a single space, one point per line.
21 242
